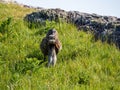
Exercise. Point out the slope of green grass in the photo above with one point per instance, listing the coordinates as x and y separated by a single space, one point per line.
13 10
82 63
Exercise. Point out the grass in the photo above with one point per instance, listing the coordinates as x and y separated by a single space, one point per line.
82 63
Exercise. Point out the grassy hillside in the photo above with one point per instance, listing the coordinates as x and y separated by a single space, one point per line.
82 64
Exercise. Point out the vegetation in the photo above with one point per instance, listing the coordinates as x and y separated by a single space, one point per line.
82 63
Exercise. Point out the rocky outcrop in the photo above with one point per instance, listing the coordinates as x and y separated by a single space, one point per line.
105 28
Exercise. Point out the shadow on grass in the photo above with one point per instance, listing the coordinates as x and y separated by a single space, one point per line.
38 55
29 64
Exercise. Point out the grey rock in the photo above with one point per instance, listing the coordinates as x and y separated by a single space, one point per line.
105 28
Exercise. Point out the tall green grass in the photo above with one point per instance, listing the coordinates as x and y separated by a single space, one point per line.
82 63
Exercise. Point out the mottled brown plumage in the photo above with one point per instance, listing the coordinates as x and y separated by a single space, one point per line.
50 41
